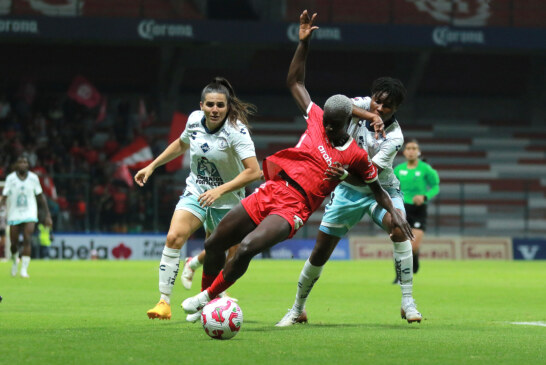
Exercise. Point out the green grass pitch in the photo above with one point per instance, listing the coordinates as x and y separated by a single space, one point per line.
94 312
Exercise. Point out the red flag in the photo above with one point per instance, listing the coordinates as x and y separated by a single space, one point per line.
102 110
48 186
178 124
83 92
122 173
136 156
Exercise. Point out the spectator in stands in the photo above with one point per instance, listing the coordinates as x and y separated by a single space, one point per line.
295 184
419 183
223 161
21 191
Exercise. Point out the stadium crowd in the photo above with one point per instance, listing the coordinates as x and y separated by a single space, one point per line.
70 147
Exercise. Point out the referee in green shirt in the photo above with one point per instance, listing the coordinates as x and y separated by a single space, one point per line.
419 183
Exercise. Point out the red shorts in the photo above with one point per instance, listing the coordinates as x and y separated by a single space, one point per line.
279 198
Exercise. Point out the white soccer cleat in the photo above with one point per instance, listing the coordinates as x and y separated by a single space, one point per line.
291 318
24 274
187 274
194 317
196 303
409 311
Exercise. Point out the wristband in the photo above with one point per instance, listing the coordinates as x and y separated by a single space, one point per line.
344 176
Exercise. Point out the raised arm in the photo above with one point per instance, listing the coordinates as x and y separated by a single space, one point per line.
296 72
175 149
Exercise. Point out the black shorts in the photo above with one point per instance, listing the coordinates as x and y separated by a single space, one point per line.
417 216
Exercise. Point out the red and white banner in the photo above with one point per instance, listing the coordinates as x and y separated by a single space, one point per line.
136 156
178 125
83 92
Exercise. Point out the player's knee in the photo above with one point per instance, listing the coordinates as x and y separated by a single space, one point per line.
175 240
246 250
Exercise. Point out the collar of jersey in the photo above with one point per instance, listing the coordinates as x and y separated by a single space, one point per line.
387 124
204 124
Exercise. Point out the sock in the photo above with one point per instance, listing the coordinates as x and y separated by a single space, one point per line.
194 263
25 261
219 285
415 261
168 270
403 261
206 281
308 277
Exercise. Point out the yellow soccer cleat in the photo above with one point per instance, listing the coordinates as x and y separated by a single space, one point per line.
162 310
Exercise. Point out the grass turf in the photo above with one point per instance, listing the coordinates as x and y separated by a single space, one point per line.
89 312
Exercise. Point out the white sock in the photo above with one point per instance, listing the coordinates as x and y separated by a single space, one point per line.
194 263
168 270
308 277
403 263
25 261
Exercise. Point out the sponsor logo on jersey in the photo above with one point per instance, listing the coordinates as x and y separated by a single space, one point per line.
205 147
207 173
324 154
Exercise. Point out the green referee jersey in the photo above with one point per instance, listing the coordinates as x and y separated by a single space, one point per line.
421 180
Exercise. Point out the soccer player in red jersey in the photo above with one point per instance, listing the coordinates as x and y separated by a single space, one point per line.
297 181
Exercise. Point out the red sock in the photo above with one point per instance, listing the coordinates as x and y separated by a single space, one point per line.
219 285
206 281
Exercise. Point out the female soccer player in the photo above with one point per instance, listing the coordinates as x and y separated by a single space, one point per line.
223 161
419 183
295 184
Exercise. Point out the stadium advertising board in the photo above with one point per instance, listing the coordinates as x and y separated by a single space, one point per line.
180 31
529 249
150 247
436 248
107 247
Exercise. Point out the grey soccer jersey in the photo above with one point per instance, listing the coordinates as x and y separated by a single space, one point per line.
382 151
216 157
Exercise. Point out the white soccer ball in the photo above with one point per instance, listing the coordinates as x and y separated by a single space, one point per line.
222 318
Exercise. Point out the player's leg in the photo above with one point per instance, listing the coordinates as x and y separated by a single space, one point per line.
14 231
190 265
183 224
231 230
415 244
345 209
402 255
28 230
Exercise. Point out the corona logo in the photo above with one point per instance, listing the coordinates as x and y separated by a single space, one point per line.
456 12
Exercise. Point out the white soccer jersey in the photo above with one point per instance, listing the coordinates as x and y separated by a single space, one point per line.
21 198
382 151
216 157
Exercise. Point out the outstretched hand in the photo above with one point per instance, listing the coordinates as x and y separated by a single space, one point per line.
306 25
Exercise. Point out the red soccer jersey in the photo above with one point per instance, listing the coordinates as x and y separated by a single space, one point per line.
307 162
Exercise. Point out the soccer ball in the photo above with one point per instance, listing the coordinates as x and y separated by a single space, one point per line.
222 318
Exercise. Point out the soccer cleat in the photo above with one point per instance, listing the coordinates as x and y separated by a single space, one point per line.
194 317
162 310
195 303
409 312
24 274
187 274
291 318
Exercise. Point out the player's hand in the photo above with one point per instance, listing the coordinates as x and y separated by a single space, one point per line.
378 126
143 175
334 172
208 197
399 221
306 25
418 200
